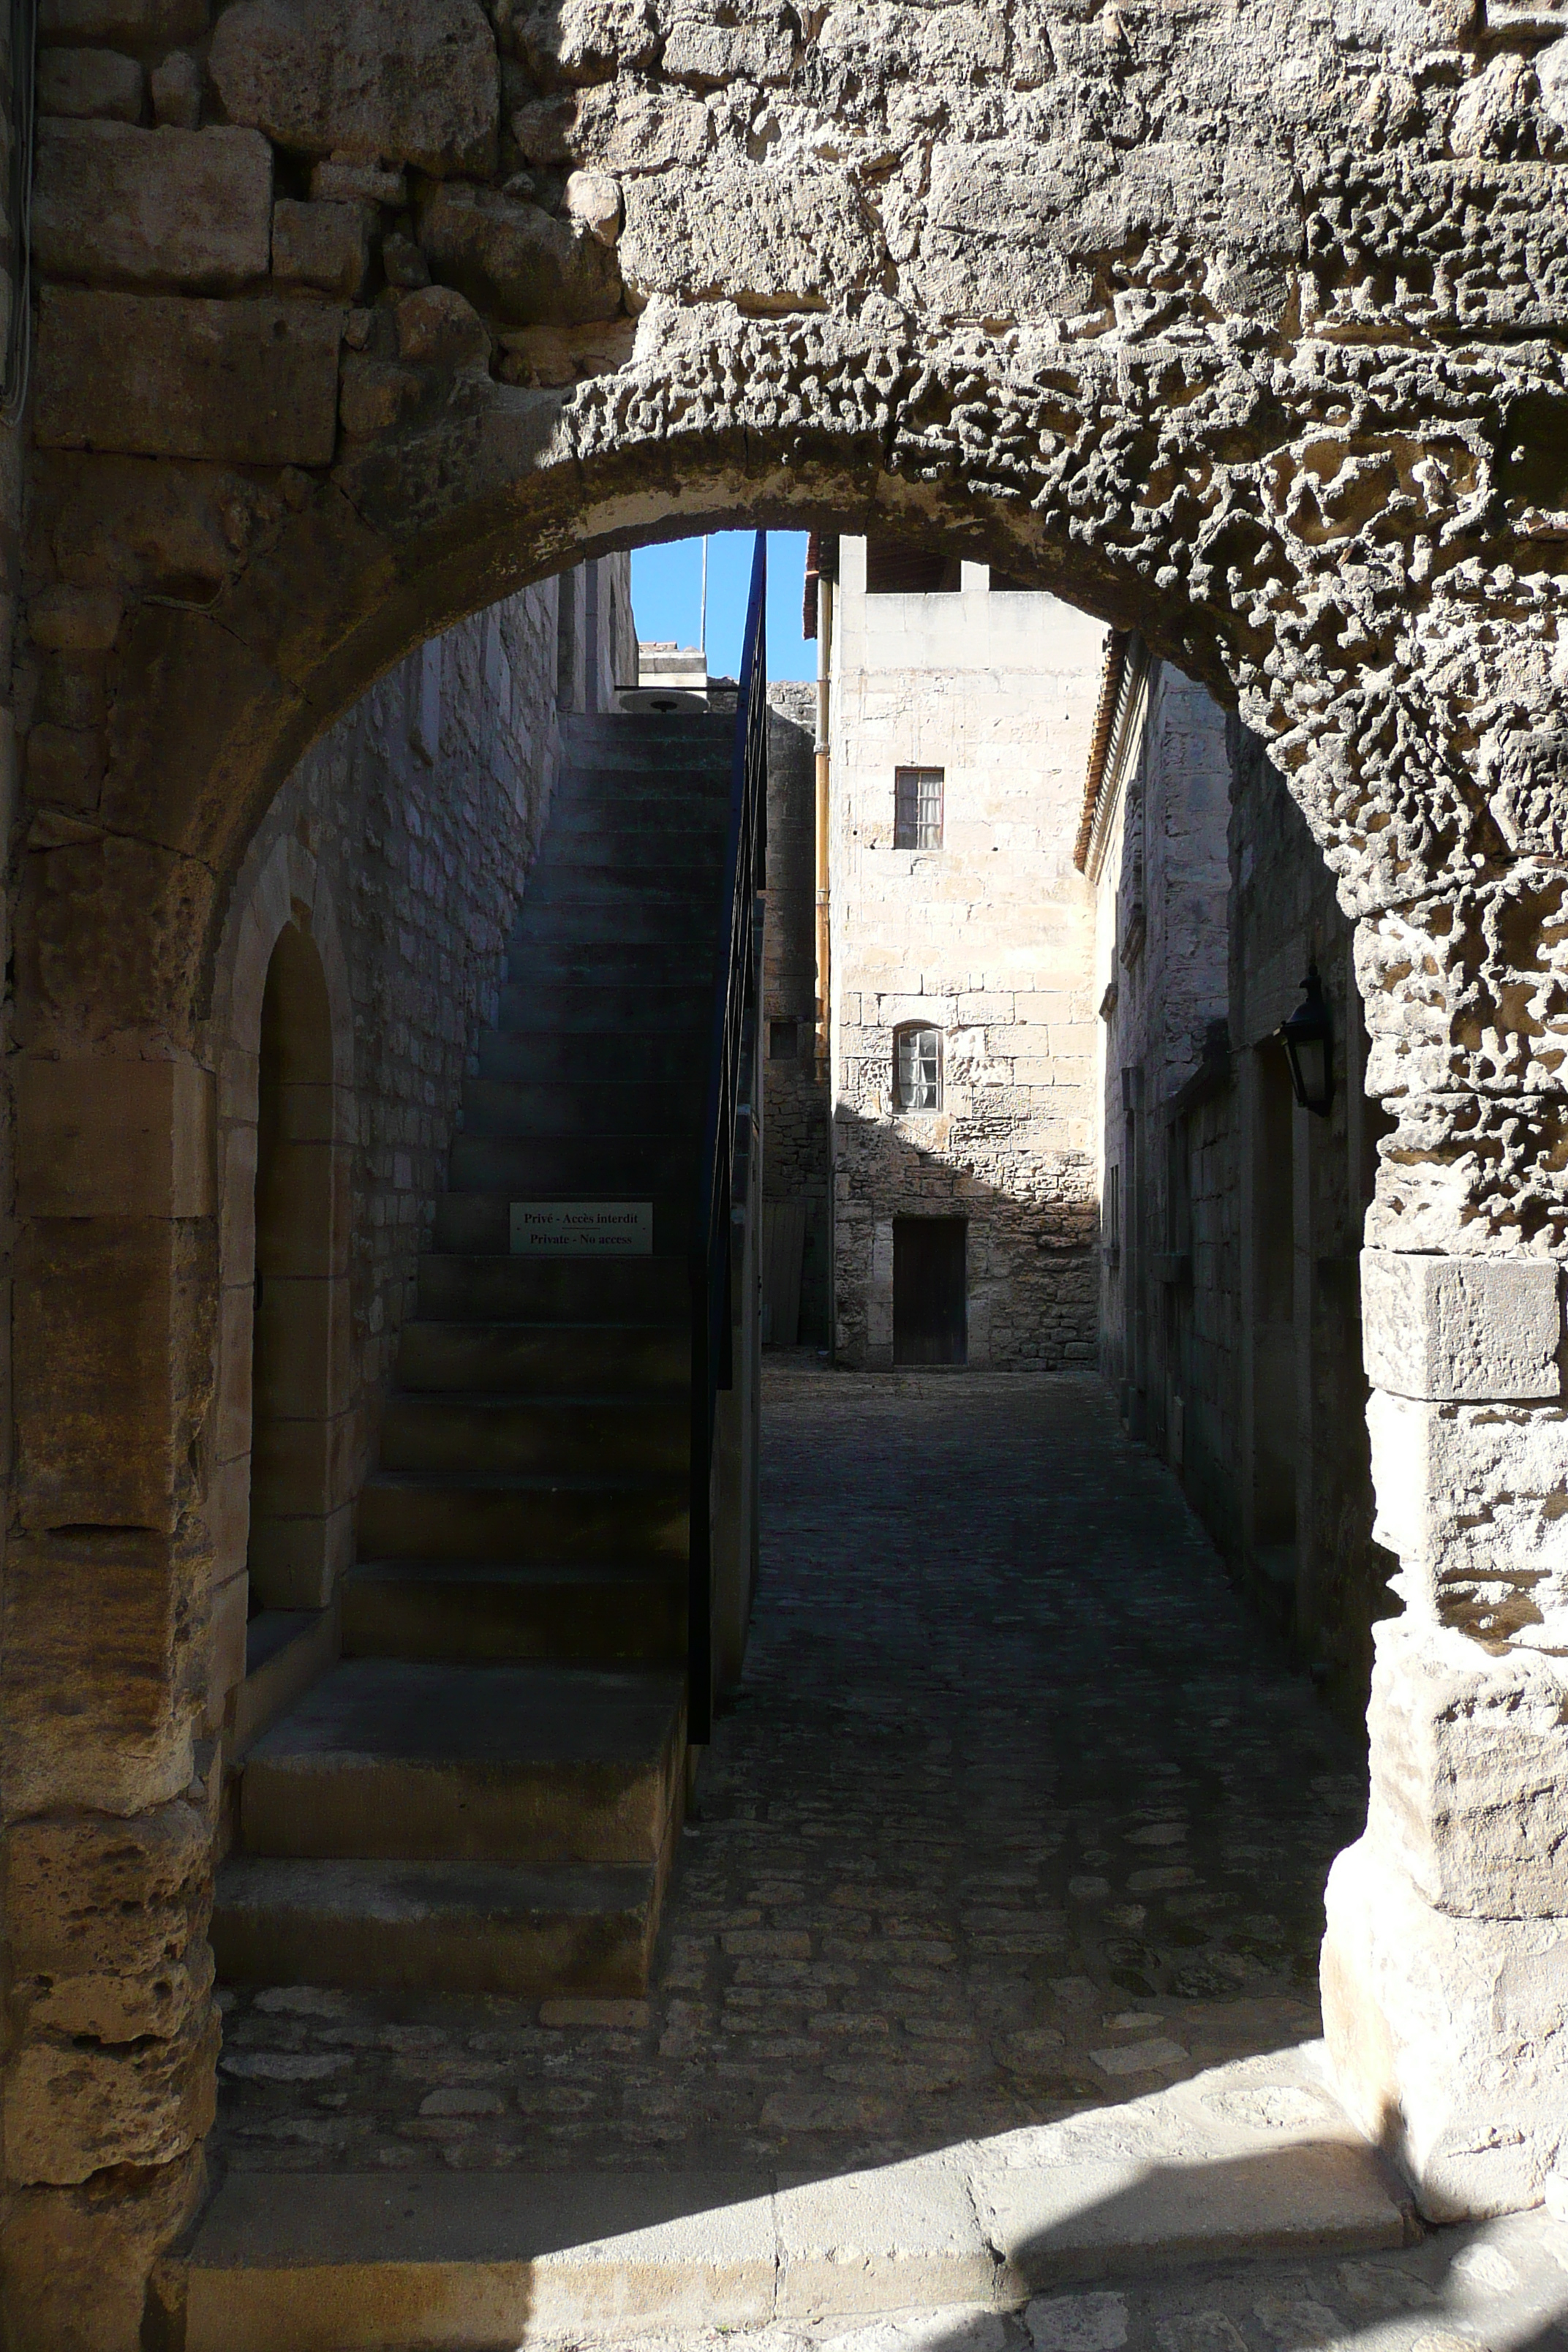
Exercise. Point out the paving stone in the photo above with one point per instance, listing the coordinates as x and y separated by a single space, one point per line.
991 1651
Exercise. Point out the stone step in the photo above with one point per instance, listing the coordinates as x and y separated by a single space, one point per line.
512 1108
542 1053
674 921
599 1007
566 1612
484 1515
400 1760
434 2262
628 1435
474 1224
452 1926
573 1167
609 963
671 830
540 1359
594 860
618 1292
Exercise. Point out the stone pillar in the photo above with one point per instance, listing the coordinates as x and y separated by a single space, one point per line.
108 1830
1445 1972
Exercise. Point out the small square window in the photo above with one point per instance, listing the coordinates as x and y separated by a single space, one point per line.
917 1069
917 808
783 1041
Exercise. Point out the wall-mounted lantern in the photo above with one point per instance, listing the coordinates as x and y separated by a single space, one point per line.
1308 1038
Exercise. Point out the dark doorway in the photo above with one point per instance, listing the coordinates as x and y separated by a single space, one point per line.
929 1290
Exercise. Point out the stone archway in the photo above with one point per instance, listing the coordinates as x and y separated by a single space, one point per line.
1246 332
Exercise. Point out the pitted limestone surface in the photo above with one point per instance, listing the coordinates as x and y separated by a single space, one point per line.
1018 1816
1504 2285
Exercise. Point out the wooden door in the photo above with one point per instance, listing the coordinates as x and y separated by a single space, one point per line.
929 1290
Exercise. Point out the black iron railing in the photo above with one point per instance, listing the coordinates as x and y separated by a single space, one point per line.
733 1070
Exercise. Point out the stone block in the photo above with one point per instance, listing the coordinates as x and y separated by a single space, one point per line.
64 766
905 2235
145 208
157 375
105 1921
74 2262
176 87
75 620
344 183
295 1563
635 130
321 246
88 1721
438 327
517 262
300 1466
236 1198
1448 2038
230 1617
1454 1327
90 82
1471 1498
1128 2210
304 1345
405 81
230 1421
73 2110
227 1516
113 1139
747 234
133 24
114 1317
503 2259
714 56
1469 1772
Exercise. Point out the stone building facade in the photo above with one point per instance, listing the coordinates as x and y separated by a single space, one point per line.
1230 1301
959 942
797 1245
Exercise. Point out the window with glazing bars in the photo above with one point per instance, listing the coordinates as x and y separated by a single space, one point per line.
917 808
917 1069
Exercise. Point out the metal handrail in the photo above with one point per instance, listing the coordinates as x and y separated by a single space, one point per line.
734 1022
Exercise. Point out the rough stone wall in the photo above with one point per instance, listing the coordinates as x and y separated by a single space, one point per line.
1245 325
985 939
408 831
402 842
794 1088
1284 917
1160 961
1230 1298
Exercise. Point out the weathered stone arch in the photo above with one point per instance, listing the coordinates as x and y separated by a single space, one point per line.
1243 326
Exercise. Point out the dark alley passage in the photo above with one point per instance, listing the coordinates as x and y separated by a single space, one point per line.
1018 1812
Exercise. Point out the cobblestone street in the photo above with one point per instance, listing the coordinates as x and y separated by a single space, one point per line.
1017 1814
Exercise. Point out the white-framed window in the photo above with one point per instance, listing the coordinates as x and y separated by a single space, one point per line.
917 807
916 1067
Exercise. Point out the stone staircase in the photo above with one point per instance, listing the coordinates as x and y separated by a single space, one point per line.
482 1793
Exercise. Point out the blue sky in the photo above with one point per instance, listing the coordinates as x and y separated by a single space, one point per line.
666 598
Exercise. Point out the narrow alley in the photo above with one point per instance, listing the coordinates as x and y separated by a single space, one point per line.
1018 1813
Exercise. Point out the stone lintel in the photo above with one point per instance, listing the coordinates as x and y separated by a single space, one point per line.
242 383
1443 1329
104 1137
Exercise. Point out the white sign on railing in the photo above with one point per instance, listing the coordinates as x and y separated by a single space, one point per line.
581 1229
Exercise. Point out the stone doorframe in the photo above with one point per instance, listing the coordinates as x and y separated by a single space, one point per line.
281 896
1242 327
